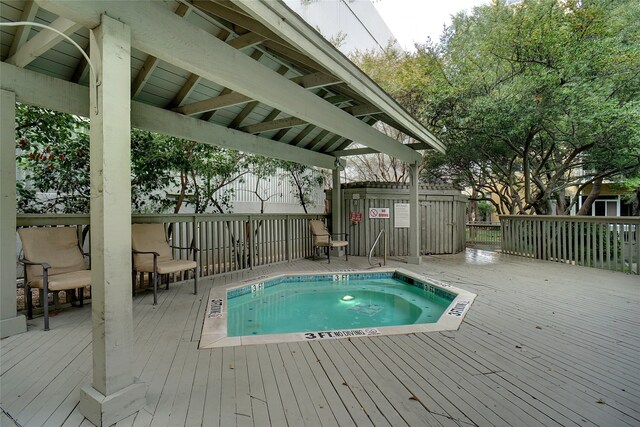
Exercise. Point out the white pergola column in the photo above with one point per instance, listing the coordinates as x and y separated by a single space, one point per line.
113 395
336 203
336 211
414 217
10 322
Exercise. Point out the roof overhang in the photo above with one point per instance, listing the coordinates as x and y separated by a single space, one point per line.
249 75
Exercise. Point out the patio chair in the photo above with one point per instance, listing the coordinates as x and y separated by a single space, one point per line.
152 254
53 262
323 239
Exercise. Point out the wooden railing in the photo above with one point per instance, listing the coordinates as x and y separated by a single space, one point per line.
227 242
484 234
609 243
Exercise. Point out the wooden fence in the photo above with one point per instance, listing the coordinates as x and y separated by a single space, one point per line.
609 243
441 221
484 234
227 242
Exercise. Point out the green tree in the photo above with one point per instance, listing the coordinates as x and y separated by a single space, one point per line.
538 97
304 180
167 173
52 155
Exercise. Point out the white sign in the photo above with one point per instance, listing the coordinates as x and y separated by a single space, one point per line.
379 213
401 215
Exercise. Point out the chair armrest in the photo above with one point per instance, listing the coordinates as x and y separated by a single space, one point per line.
45 265
193 248
146 252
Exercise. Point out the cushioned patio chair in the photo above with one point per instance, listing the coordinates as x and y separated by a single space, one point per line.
323 239
152 254
53 262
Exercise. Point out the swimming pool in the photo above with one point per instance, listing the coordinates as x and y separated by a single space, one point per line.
302 307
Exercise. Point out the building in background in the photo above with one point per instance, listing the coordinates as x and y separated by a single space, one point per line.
355 24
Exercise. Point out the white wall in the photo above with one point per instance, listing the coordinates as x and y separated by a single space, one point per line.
358 19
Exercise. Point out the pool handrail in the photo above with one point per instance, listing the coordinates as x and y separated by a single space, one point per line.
384 252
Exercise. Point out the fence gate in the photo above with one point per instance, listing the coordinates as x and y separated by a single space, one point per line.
439 223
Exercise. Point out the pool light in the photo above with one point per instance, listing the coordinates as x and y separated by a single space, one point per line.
347 298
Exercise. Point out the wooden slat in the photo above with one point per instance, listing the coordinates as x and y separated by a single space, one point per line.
529 352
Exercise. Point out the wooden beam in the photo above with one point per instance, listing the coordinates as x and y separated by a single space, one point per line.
315 80
297 140
293 56
362 110
83 67
228 98
197 51
166 122
35 88
288 122
329 143
272 42
367 150
281 133
315 141
42 42
256 55
151 62
192 80
246 41
237 121
185 91
21 35
237 18
222 101
143 75
288 26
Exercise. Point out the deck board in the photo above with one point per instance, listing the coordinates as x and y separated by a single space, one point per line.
543 344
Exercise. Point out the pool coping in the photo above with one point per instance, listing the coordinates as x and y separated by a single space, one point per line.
214 328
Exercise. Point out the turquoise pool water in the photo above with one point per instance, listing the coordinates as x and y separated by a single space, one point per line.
325 305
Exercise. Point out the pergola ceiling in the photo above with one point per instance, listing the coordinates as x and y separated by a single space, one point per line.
252 73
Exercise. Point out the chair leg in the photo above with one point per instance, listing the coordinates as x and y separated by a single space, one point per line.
133 283
195 281
81 296
155 288
329 254
45 303
29 299
166 278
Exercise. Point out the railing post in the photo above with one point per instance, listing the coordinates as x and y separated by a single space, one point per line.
252 255
287 237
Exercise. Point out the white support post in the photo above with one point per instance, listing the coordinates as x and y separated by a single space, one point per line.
414 218
10 322
336 210
113 394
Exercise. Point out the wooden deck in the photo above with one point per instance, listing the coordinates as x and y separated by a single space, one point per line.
543 344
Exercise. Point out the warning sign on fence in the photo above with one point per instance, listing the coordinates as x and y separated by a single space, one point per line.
379 213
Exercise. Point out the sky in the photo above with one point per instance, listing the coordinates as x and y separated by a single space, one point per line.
415 20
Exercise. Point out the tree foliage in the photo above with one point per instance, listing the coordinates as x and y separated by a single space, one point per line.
531 99
538 97
53 154
167 173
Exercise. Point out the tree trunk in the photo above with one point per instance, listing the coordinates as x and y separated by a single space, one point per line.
473 206
585 209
